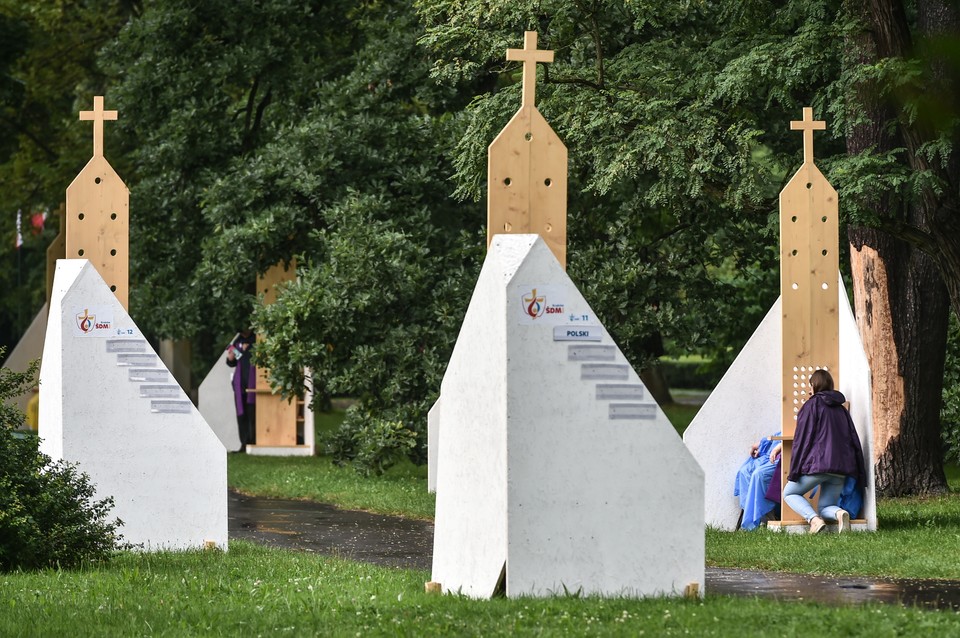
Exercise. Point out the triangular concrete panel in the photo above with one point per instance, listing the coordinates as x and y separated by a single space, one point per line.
29 347
217 404
552 457
746 404
108 404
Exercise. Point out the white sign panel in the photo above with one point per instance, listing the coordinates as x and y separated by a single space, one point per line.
577 333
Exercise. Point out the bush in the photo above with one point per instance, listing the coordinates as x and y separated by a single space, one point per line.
691 374
48 517
950 411
371 443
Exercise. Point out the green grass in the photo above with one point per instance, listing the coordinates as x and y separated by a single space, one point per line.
401 490
910 542
680 415
253 591
325 423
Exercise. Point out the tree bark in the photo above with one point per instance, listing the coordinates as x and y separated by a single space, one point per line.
902 313
656 384
902 303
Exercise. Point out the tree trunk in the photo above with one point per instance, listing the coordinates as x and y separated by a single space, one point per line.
902 312
656 383
902 305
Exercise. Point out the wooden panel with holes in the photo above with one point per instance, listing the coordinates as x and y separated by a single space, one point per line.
98 212
527 167
809 272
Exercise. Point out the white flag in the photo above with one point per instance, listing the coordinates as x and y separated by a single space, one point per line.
19 236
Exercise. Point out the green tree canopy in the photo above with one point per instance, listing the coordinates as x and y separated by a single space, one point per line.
685 106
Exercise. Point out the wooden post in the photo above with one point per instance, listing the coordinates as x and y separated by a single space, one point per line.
98 212
809 272
527 167
57 249
277 418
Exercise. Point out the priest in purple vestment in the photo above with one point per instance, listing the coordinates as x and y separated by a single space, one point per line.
239 356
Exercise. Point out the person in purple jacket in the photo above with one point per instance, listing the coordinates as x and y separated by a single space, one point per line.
239 356
826 450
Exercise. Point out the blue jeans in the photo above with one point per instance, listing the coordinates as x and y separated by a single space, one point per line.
831 485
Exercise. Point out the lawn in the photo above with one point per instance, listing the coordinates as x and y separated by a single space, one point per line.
908 543
256 591
401 490
253 590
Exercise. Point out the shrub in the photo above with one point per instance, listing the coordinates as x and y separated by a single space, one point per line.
48 515
691 374
950 411
370 442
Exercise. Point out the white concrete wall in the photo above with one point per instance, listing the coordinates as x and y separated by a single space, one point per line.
856 384
216 403
29 347
433 444
470 526
746 405
109 405
539 468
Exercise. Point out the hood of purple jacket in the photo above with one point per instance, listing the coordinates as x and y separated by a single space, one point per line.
826 439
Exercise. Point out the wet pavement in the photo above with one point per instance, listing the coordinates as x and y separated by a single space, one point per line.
408 543
833 590
315 527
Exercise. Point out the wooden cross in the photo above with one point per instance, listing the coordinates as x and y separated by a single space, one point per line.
98 115
529 55
808 125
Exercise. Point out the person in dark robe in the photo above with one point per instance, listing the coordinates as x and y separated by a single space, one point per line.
240 356
826 450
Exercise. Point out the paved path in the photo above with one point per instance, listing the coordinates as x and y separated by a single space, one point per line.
408 543
315 527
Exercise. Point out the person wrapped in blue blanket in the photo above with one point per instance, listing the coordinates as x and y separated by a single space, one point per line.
758 485
753 479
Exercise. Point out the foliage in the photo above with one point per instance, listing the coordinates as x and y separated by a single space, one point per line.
950 412
318 140
674 117
48 514
690 373
371 441
47 74
203 86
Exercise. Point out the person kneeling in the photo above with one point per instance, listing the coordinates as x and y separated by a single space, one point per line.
826 450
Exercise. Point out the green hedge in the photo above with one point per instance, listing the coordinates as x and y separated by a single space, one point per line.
692 374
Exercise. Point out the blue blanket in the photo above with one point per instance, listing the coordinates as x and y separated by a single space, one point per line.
751 483
755 475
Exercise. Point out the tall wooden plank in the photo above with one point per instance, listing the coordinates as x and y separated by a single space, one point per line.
527 167
809 272
276 416
57 248
98 212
